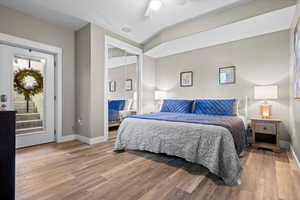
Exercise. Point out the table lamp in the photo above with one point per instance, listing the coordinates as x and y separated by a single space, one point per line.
266 93
159 96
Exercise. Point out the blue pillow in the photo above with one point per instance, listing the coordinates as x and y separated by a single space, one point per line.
177 106
215 107
116 104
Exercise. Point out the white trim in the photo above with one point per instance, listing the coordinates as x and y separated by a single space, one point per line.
97 140
82 139
44 48
67 138
106 48
110 41
140 83
295 158
91 141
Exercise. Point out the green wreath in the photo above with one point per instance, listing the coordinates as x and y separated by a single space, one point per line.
21 86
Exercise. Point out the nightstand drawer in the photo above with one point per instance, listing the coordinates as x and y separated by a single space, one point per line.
267 128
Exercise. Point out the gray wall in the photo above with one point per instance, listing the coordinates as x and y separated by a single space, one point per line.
217 19
83 48
294 104
25 26
149 84
258 60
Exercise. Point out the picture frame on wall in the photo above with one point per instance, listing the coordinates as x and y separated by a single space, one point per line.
186 79
227 75
112 86
128 85
297 61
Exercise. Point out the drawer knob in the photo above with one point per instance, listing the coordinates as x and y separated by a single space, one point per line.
265 128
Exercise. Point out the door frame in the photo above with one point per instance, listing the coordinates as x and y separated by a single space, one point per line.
48 49
130 49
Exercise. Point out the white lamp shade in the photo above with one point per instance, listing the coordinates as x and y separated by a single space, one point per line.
160 95
266 92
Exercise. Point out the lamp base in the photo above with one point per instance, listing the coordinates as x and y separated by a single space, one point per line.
266 111
158 106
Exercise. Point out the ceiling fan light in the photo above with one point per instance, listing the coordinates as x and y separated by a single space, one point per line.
155 5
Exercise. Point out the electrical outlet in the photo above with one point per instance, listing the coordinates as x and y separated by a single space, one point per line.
80 122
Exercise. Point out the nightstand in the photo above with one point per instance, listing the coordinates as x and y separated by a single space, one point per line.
265 133
125 113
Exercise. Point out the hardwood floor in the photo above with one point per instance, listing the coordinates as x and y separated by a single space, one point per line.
75 171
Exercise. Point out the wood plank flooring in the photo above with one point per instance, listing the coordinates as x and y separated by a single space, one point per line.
75 171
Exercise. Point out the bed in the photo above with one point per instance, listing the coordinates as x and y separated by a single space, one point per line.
213 141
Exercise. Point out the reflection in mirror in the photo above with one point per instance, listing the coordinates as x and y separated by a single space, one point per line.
123 86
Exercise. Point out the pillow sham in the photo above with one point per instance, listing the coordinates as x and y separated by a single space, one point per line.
116 104
177 106
215 107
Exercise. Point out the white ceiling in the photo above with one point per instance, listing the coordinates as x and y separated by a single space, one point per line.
262 24
116 14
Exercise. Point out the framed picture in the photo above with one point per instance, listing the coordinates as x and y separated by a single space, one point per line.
297 61
227 75
112 86
186 79
128 85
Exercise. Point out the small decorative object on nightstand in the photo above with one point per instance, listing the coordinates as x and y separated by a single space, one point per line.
265 93
265 133
159 96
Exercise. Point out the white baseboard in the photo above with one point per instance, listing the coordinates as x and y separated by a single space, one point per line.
82 139
91 141
98 140
66 138
295 158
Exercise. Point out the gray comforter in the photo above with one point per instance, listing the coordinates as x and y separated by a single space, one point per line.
208 145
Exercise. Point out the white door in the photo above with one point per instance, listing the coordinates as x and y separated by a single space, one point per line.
22 70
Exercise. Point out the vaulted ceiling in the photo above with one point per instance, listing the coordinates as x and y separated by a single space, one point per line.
117 14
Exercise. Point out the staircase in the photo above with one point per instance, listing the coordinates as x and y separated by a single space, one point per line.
27 122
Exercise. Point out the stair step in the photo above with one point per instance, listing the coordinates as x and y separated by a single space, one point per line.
27 116
23 105
19 98
29 124
24 110
29 130
23 102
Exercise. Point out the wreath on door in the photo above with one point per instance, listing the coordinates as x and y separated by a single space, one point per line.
28 82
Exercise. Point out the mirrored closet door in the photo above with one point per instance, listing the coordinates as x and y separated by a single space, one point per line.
123 86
